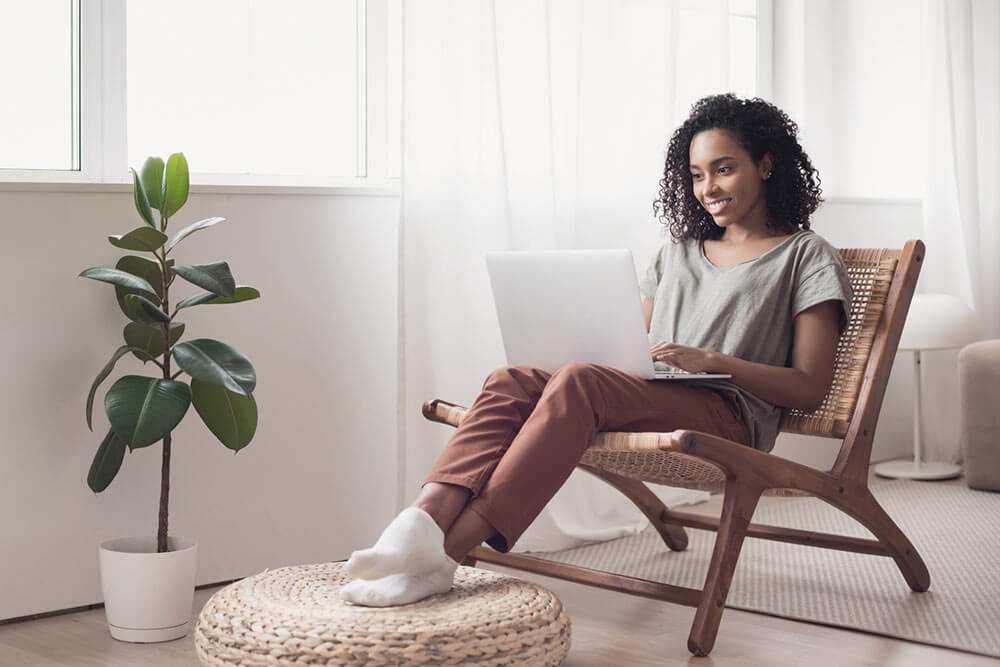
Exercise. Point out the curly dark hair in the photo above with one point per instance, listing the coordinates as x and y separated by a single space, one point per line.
792 191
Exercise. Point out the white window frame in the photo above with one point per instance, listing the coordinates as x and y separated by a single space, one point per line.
102 116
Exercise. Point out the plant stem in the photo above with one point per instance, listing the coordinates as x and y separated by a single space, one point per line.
161 533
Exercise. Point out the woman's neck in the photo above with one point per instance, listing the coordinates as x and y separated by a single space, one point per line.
738 234
752 227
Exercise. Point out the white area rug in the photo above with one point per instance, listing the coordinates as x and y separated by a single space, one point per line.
955 529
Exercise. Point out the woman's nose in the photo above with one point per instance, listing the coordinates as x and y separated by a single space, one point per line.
709 185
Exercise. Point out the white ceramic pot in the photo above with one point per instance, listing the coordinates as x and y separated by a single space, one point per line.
148 595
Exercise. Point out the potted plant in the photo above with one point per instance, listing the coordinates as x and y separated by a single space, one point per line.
148 583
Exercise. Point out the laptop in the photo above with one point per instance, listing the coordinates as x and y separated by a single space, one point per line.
560 306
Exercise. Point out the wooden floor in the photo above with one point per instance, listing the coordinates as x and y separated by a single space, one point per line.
609 630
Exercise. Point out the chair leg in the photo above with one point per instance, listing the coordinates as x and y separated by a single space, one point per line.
648 503
737 510
863 507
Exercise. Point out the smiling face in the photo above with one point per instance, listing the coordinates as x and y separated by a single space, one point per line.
727 181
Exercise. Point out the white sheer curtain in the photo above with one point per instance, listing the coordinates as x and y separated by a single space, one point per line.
962 200
532 125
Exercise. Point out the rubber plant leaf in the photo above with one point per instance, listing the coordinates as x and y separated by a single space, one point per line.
215 277
175 191
216 363
141 202
148 338
191 229
145 269
140 238
137 303
242 293
143 409
118 277
152 182
106 371
107 462
230 416
135 311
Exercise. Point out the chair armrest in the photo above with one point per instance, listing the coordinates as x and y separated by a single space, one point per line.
444 412
759 468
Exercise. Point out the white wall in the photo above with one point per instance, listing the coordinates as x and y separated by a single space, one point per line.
318 479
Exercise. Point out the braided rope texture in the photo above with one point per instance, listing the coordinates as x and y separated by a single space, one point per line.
610 452
294 616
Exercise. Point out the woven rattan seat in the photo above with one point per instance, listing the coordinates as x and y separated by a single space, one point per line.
883 282
294 616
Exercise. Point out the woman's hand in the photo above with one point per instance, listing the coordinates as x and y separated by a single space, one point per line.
801 386
691 359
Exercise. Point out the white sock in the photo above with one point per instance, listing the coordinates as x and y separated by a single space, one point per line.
397 589
412 543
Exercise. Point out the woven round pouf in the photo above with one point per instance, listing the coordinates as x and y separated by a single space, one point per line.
294 615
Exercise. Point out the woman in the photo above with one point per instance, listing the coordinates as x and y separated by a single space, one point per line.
743 287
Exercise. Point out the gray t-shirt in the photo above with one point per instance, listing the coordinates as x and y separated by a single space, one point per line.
746 310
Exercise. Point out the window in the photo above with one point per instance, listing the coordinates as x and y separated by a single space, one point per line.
254 92
39 112
878 100
669 36
851 74
247 88
699 34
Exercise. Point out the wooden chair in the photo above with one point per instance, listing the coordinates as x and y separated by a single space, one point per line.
883 282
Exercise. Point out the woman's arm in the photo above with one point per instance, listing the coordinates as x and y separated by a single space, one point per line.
801 386
647 311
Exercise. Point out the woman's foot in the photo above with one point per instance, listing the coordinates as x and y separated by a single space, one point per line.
412 544
398 589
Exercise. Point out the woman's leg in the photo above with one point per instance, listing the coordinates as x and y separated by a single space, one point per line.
469 530
507 399
414 542
442 501
578 401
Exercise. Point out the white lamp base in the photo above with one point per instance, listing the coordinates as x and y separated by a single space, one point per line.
907 469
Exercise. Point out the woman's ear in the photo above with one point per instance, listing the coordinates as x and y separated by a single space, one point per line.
766 166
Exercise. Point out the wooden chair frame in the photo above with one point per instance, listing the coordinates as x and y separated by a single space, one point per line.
749 473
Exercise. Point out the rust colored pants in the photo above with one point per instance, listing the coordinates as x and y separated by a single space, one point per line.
528 428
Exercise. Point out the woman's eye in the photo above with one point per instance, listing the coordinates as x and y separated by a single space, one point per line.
696 177
724 170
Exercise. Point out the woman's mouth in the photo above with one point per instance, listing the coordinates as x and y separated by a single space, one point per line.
716 206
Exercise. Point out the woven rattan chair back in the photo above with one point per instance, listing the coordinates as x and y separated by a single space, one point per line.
870 272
